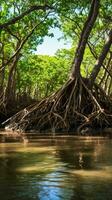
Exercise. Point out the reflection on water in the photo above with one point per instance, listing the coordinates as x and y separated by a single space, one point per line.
57 169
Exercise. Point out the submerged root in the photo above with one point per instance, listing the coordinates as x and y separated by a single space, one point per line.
73 107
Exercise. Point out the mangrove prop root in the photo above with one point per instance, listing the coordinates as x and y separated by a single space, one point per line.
73 106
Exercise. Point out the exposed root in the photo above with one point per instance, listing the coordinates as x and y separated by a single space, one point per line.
73 107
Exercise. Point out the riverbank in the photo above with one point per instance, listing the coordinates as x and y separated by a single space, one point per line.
34 136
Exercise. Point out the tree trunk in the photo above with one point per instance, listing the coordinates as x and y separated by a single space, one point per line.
2 72
10 88
101 58
94 10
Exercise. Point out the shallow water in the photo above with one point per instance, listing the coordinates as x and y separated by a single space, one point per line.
57 169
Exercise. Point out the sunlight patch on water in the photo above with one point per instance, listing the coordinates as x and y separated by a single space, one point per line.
93 174
38 168
34 149
7 147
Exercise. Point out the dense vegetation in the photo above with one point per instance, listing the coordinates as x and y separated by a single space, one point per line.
84 72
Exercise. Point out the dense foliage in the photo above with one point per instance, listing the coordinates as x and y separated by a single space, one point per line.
39 76
23 26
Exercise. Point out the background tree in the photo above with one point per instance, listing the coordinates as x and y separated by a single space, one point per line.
23 26
81 101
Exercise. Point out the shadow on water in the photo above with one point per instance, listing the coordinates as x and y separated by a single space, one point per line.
57 169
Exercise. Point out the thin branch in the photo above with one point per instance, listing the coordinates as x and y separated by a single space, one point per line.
30 10
11 33
23 42
96 57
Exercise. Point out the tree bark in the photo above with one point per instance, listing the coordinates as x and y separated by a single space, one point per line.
2 73
10 88
93 13
101 58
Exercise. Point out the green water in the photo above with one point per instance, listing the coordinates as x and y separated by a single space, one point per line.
57 169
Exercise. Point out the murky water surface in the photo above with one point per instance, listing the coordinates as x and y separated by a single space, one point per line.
57 169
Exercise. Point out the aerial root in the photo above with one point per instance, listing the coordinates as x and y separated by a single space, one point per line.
74 106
